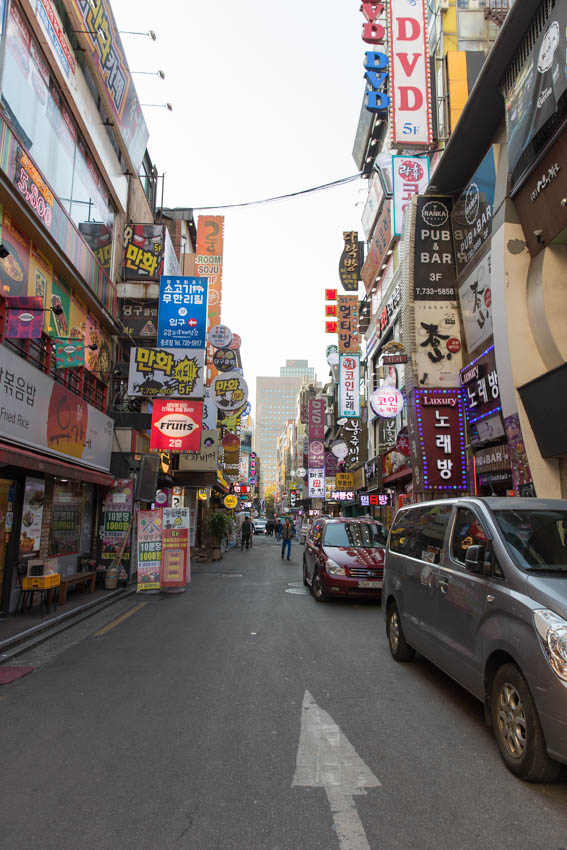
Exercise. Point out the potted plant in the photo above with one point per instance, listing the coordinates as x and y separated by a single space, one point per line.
220 524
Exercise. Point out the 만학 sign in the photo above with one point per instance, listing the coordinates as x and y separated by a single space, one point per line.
182 317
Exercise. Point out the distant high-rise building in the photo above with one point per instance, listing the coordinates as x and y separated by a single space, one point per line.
276 400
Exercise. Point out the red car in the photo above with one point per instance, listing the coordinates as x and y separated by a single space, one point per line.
345 557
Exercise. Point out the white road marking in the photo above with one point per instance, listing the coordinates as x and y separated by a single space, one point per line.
326 759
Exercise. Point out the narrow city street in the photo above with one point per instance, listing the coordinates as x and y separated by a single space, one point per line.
243 715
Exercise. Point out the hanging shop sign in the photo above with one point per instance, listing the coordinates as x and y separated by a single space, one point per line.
225 360
387 430
176 425
209 264
24 317
475 296
175 566
316 456
348 447
32 516
378 246
342 496
117 513
410 83
387 402
540 84
230 501
139 318
349 338
388 311
158 372
372 205
438 348
379 500
316 485
483 406
472 213
220 336
182 317
349 262
40 413
376 63
437 436
344 481
229 391
410 177
349 385
69 353
236 342
433 255
148 253
316 419
149 549
96 23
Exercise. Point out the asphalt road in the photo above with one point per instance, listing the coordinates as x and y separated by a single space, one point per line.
180 726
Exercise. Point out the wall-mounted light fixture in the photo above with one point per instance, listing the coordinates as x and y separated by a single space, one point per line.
150 33
160 74
162 105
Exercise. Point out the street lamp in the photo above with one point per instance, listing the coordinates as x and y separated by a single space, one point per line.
150 33
160 74
162 105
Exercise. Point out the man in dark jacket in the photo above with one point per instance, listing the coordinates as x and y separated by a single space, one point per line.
287 533
246 531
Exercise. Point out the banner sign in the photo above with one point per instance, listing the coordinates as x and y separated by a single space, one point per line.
229 391
316 456
40 413
410 177
32 516
410 84
349 385
149 549
208 264
472 213
475 296
433 255
206 459
438 349
316 424
95 21
176 425
25 317
439 454
348 263
69 353
182 317
139 318
540 84
349 338
175 571
117 513
316 484
176 372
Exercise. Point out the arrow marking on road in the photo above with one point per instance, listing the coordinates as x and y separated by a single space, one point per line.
326 759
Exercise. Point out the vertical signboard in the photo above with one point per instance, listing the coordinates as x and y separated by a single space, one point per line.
472 213
475 295
410 177
316 484
182 317
409 72
175 570
209 264
349 385
117 512
149 549
433 255
349 338
348 263
438 440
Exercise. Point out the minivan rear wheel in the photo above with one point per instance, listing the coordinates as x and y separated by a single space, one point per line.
400 649
517 728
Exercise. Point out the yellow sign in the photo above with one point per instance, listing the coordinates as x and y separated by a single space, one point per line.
230 501
345 481
202 495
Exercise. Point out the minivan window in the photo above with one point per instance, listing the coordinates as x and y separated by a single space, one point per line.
367 535
536 539
420 532
468 531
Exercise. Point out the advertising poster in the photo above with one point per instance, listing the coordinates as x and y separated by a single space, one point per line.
175 567
316 483
59 300
32 516
182 315
410 83
438 354
349 385
475 295
14 267
149 549
98 358
176 425
40 280
117 513
177 372
410 177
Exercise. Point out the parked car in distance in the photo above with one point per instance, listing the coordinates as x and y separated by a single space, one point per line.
479 586
344 557
260 526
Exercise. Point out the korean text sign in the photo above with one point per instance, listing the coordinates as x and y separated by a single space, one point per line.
176 425
182 319
349 385
173 373
149 549
174 547
410 177
349 338
441 433
316 484
480 386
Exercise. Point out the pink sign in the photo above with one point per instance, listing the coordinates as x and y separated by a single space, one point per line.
316 419
25 317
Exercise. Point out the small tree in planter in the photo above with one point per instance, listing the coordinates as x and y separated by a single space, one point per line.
220 525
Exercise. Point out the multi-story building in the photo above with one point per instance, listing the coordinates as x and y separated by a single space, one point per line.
276 402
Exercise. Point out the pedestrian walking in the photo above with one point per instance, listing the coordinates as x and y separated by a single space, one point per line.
278 530
287 533
246 531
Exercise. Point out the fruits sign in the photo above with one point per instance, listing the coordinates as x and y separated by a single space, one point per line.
176 425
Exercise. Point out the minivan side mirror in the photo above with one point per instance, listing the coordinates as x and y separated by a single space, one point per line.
474 559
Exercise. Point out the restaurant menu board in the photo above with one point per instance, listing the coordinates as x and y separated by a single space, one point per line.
117 511
149 549
175 570
32 516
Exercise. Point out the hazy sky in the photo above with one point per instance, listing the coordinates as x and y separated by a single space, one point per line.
266 99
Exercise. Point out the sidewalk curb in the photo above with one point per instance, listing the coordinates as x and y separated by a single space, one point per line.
29 638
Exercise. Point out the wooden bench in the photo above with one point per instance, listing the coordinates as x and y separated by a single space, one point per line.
77 578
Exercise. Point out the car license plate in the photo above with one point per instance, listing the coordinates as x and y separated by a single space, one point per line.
375 584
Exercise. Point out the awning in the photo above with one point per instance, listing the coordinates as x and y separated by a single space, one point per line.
396 476
11 455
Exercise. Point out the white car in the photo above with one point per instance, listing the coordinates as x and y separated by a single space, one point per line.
259 526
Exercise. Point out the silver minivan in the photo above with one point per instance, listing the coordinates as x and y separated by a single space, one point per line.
479 587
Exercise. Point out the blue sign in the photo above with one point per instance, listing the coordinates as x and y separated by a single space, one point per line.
182 317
